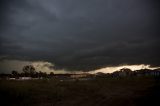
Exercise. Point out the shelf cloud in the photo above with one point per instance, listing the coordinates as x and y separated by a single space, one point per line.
80 35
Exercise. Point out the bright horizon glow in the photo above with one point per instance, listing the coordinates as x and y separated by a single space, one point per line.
116 68
8 65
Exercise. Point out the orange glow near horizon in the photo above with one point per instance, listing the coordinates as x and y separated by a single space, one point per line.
44 66
116 68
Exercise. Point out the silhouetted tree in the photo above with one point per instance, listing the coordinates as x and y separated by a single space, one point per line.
126 70
40 74
44 74
29 70
15 73
51 74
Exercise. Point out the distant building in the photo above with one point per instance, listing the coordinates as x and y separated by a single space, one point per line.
12 78
25 78
79 75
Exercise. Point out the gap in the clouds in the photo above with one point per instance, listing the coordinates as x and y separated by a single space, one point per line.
116 68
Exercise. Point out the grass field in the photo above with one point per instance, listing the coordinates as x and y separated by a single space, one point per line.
134 91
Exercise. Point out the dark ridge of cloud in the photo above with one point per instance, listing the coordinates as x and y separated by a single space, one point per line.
80 34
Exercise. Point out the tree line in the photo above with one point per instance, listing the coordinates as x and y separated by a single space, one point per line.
28 71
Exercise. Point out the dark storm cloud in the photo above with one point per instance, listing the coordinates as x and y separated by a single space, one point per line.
81 34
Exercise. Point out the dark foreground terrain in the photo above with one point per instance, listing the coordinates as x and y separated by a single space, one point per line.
133 91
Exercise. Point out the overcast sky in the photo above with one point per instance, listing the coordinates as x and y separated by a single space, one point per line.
80 34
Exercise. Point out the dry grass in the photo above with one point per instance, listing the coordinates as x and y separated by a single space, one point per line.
100 92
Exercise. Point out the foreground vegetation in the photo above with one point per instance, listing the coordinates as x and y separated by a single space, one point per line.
132 91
